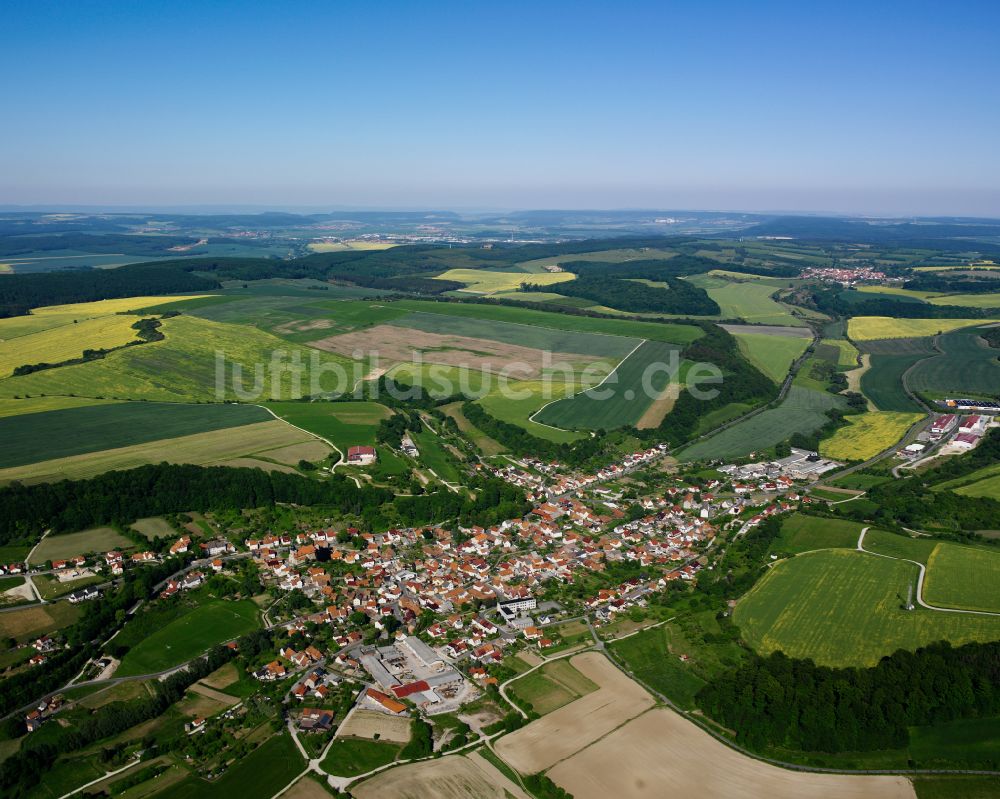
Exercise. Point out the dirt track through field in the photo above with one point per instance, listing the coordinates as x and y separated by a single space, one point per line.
567 730
660 749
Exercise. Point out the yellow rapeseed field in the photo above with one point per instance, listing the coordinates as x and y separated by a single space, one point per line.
867 434
88 310
65 342
866 328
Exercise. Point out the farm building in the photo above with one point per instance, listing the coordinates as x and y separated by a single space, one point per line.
976 425
361 456
965 440
943 424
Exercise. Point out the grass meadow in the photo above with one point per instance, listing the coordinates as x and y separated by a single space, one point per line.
67 545
963 577
183 367
259 775
346 424
211 623
553 685
773 355
349 757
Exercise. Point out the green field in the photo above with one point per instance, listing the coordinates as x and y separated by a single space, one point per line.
986 487
773 355
154 527
899 546
66 545
259 775
346 424
963 577
531 395
867 434
624 397
525 335
35 437
483 281
802 411
883 382
745 298
553 685
184 367
187 637
802 533
847 353
654 331
865 328
434 456
349 757
966 365
28 405
844 608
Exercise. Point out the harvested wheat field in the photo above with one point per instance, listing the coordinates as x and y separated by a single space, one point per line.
369 723
567 730
393 344
450 777
306 788
659 408
660 748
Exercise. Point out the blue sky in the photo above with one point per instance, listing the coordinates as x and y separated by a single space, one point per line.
855 107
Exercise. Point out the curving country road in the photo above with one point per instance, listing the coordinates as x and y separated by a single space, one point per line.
920 580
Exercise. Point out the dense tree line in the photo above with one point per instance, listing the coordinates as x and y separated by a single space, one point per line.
121 497
785 702
636 297
832 301
948 283
20 293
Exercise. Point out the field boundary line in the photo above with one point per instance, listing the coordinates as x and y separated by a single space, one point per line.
920 581
584 390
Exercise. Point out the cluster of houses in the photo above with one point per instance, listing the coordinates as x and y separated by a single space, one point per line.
845 277
43 712
542 479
